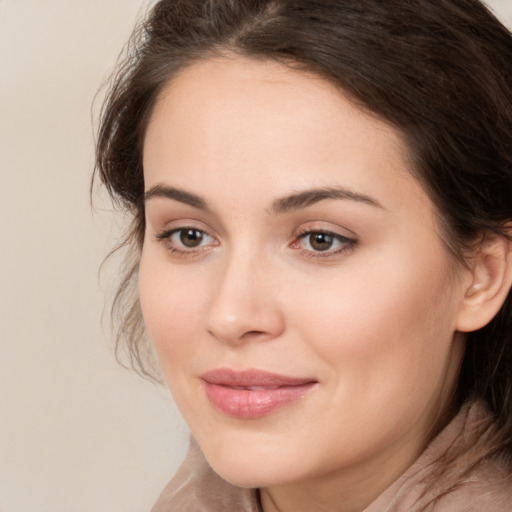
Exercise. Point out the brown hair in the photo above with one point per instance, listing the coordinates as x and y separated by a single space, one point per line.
438 70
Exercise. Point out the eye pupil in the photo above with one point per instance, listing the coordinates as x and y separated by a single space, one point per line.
191 237
321 241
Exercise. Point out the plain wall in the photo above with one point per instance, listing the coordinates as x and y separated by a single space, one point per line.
77 432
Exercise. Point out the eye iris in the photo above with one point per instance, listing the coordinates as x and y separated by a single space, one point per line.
191 237
321 241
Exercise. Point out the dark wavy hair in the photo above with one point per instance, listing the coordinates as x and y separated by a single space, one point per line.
440 71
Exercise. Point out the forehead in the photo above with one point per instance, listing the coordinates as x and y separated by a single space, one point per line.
243 93
257 123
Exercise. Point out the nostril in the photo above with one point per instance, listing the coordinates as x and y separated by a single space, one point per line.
252 334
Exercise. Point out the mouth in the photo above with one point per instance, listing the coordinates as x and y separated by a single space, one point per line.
252 394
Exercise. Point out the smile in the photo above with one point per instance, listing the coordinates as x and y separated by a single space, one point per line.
254 393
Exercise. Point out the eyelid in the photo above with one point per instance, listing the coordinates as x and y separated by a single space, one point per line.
348 242
163 228
165 236
327 227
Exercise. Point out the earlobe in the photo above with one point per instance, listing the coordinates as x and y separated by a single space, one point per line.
490 283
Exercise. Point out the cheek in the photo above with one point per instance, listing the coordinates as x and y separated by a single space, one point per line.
170 308
383 324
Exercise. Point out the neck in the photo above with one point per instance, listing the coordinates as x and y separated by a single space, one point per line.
355 486
344 491
350 489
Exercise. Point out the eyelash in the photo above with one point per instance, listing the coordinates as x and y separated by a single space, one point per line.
165 237
347 244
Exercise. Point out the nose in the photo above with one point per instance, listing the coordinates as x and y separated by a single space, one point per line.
244 304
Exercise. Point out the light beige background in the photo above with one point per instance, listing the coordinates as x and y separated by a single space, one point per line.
77 432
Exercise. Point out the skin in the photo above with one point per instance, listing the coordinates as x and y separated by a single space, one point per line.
373 321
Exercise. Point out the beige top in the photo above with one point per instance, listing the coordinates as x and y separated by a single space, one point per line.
485 488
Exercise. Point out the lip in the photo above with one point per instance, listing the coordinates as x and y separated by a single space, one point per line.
252 394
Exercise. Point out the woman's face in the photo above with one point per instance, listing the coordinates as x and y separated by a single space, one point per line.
293 280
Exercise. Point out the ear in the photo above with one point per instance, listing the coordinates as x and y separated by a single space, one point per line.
489 281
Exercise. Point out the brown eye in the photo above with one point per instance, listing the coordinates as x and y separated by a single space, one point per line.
325 243
186 241
321 241
191 237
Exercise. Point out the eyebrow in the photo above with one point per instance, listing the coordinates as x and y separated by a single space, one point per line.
282 205
307 198
178 195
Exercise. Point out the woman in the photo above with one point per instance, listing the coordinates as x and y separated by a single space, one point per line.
321 194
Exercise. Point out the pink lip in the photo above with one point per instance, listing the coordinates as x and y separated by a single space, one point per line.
252 393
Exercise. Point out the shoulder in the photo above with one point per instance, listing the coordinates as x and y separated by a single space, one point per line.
487 489
480 479
456 473
197 488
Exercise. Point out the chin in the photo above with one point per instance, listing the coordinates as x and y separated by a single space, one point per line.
247 475
250 465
